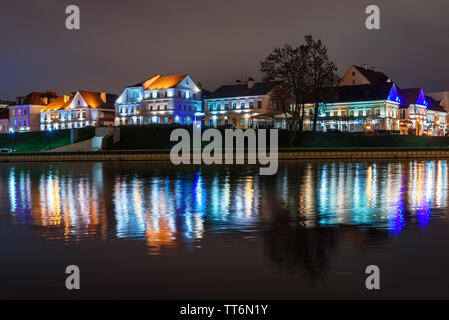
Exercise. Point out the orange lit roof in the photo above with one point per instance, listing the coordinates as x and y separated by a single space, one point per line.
58 104
93 99
158 82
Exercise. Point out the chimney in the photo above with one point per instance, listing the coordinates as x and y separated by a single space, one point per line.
374 68
44 101
103 96
364 66
66 98
250 83
238 81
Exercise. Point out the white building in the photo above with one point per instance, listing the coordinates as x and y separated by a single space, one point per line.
241 105
160 100
78 110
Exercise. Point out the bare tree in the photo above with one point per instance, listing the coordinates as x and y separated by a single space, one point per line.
289 65
321 74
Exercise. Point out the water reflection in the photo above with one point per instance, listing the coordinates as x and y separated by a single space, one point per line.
169 207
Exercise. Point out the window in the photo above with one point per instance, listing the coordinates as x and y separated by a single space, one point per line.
234 122
377 112
353 73
335 113
79 102
368 112
242 122
242 105
259 104
343 113
251 104
234 105
351 113
226 105
211 106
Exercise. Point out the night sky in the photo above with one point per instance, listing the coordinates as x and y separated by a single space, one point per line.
217 42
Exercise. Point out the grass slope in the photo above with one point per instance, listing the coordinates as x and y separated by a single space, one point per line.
41 140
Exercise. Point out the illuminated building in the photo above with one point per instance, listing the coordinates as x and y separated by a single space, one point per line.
241 105
436 118
24 115
358 108
358 75
160 100
367 100
78 110
4 116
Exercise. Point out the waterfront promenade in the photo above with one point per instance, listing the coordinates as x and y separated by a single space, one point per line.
284 154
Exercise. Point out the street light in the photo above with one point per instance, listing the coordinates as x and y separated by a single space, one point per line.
49 136
11 133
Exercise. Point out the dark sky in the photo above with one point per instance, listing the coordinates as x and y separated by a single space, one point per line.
216 42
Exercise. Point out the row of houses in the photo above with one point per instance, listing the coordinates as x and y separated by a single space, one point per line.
365 100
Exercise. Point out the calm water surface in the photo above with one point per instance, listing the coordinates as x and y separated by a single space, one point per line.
153 230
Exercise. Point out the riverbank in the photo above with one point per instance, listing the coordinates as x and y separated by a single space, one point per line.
284 154
36 141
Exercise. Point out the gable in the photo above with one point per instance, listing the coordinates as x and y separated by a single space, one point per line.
359 75
78 101
353 77
421 100
394 95
187 83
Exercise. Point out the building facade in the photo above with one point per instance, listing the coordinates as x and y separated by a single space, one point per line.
24 115
367 100
4 119
160 100
78 110
360 108
241 105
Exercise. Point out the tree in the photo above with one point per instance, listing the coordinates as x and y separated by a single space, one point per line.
321 74
289 65
280 96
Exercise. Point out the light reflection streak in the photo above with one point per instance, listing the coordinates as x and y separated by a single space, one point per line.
167 210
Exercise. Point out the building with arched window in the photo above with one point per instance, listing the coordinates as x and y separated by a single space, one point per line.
160 100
